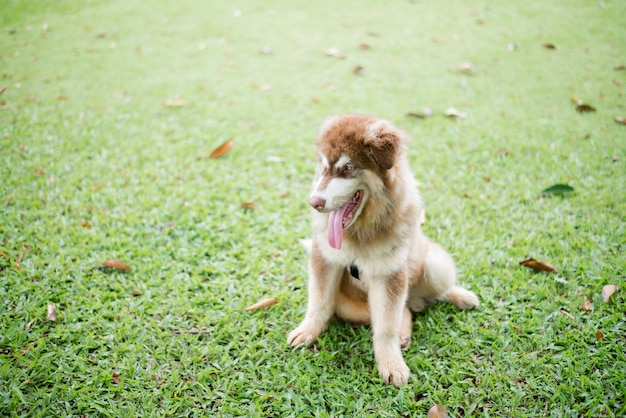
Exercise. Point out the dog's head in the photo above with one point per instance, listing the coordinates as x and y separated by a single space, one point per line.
354 157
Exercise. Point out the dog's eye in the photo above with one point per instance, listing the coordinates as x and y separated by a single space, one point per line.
349 167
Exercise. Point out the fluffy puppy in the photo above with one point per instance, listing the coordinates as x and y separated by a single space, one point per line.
370 262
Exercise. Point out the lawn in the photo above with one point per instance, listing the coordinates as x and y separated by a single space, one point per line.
110 111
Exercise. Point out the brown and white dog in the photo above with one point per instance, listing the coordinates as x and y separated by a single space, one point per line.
370 262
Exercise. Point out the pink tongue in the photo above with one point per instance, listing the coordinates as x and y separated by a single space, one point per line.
335 227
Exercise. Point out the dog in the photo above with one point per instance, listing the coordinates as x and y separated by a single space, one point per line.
370 263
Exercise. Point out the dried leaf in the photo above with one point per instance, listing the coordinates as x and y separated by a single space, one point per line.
248 205
438 411
274 159
549 46
600 335
567 314
558 189
31 322
116 378
116 264
538 265
416 115
502 152
176 102
607 292
52 312
487 179
620 120
20 257
222 149
261 304
264 395
587 306
582 107
3 89
364 47
334 52
466 67
358 70
455 114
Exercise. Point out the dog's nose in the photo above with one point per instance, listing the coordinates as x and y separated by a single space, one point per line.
318 203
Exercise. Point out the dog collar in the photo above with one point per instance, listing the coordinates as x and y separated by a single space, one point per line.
354 271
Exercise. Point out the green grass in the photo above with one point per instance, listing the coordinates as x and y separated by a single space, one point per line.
95 166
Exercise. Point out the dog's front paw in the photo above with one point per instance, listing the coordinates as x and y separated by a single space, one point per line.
305 334
394 373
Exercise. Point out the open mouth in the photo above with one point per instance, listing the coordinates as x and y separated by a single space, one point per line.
341 218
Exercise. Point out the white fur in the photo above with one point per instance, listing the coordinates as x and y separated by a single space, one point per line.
342 161
389 257
338 192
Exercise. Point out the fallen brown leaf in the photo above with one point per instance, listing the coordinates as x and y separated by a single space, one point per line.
582 107
176 102
587 306
438 411
538 265
261 304
502 152
466 67
607 292
358 70
416 115
31 322
3 89
567 314
487 179
620 120
549 46
600 335
222 149
264 395
116 377
116 264
248 205
52 312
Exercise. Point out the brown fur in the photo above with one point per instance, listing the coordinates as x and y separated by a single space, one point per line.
399 267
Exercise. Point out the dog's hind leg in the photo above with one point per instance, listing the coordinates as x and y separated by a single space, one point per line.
440 281
461 298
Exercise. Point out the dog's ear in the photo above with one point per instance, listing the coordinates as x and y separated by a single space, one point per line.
382 143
